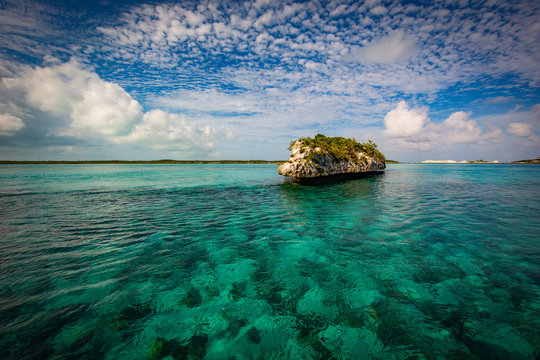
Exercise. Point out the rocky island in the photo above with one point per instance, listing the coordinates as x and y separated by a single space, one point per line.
328 158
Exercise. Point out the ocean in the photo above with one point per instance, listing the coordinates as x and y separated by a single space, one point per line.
424 261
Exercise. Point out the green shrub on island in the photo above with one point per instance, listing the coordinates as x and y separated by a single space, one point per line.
342 149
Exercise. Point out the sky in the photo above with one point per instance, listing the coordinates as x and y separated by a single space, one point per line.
220 79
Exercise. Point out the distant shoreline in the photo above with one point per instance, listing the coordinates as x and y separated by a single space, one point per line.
165 161
194 162
452 162
458 162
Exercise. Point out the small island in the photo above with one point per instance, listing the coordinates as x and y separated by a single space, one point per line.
529 161
331 158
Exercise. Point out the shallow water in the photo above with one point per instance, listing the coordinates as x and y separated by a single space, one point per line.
232 261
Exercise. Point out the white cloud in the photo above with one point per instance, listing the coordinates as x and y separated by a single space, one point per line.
27 29
92 107
187 39
210 101
165 131
499 99
105 108
493 136
379 10
403 122
412 129
457 129
281 66
261 3
371 3
69 91
10 124
523 124
340 10
386 50
520 129
265 20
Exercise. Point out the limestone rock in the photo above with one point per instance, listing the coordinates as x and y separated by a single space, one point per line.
307 162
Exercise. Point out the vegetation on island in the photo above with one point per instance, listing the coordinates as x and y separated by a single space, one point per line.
342 149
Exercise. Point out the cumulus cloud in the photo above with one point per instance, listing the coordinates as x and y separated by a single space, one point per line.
10 124
413 129
528 128
457 129
520 129
166 131
521 123
402 121
89 106
69 91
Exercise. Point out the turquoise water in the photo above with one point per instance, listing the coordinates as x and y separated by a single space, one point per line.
426 261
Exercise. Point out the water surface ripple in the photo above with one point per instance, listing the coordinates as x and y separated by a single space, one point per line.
232 261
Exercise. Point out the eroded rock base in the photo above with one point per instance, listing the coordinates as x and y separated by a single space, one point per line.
330 179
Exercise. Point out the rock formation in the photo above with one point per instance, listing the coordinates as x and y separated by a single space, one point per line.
325 156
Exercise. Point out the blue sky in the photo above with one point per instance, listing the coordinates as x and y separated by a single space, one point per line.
239 80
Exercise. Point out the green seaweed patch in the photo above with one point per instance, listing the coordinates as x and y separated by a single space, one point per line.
156 349
340 148
238 290
235 325
195 348
254 335
309 328
192 299
310 325
351 317
124 322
